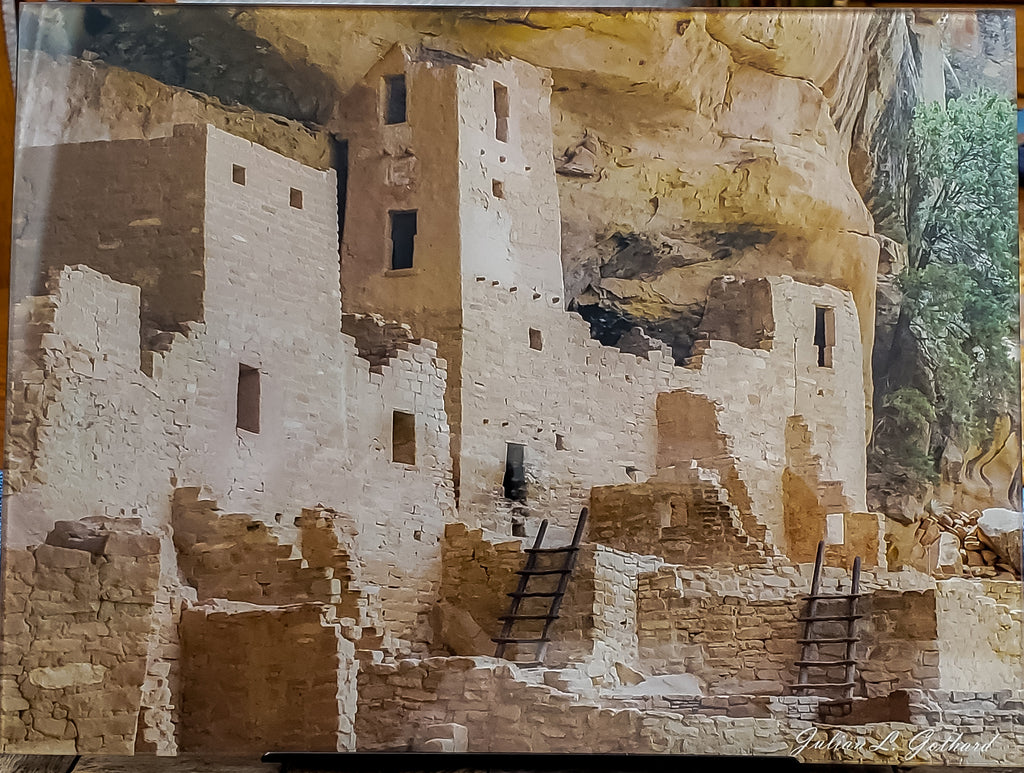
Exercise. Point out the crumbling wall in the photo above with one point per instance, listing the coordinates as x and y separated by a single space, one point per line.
377 340
687 520
779 379
78 624
278 678
478 573
88 432
597 620
502 710
584 412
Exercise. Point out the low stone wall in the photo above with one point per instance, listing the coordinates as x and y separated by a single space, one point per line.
504 710
898 649
733 643
990 658
78 624
281 679
597 622
687 521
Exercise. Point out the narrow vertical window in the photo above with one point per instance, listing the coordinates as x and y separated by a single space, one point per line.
824 335
403 239
394 99
403 438
295 198
514 482
498 189
501 112
248 399
238 174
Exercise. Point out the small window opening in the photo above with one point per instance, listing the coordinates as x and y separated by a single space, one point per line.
295 198
501 112
248 399
559 442
824 334
498 189
394 99
403 239
238 174
514 483
536 339
403 438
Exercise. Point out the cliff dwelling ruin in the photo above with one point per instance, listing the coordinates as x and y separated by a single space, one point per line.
288 407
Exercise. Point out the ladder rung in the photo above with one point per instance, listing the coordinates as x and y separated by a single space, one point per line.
528 595
828 618
542 571
820 685
510 640
567 549
835 596
528 617
830 640
527 663
825 663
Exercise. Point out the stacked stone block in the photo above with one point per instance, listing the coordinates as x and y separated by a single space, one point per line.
78 625
688 521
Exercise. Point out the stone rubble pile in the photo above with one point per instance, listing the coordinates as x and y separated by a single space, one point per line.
960 545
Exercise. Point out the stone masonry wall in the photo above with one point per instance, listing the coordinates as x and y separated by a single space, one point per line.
584 412
732 642
597 622
899 647
153 417
88 432
991 657
147 232
78 624
326 414
508 191
279 679
688 521
779 379
402 705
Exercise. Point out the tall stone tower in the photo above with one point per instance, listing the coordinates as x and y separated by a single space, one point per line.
451 181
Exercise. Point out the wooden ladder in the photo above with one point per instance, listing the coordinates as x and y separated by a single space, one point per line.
532 572
813 640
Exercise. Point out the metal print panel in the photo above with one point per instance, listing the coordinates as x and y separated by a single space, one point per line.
514 381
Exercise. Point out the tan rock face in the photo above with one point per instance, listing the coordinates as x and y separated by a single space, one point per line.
722 142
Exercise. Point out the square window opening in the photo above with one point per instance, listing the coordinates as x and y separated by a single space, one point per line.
514 482
536 339
395 99
824 335
295 198
403 438
238 174
403 239
248 399
501 112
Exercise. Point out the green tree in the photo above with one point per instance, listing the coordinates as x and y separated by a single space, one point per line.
952 364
